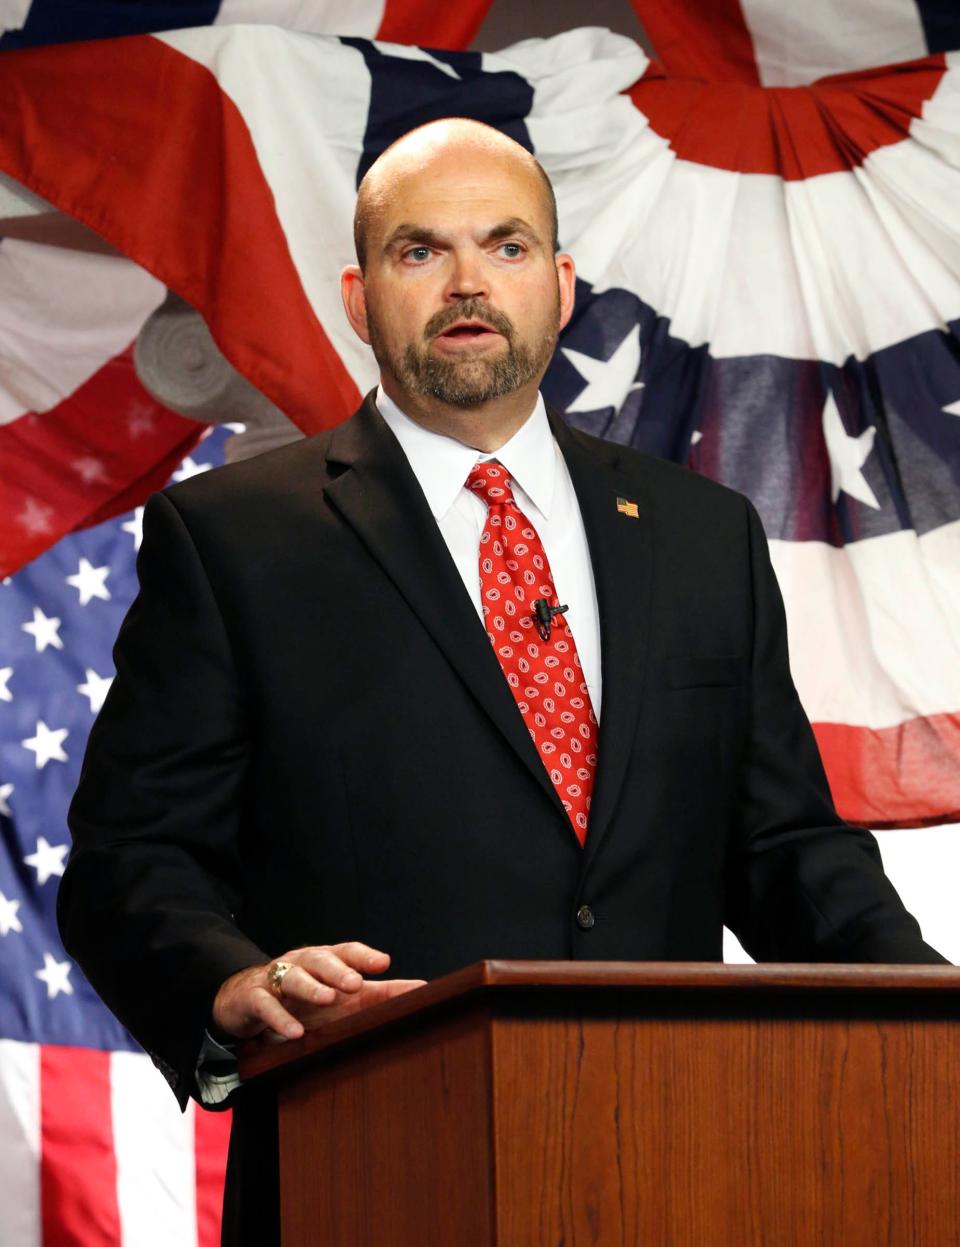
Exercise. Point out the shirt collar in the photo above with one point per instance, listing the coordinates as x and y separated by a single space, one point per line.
442 464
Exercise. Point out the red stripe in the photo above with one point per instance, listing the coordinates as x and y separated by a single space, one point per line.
110 419
792 132
211 1133
432 25
163 166
707 39
904 776
78 1170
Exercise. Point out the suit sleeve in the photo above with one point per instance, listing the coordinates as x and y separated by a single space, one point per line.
147 902
802 884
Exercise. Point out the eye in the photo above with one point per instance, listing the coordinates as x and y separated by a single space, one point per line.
418 254
511 250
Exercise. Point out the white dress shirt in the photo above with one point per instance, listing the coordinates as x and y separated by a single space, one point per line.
543 492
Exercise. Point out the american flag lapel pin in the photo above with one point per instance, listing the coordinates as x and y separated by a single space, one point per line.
626 507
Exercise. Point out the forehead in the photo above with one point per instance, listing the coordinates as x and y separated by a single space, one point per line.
470 189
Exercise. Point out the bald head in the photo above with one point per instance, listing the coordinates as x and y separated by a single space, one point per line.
460 292
415 154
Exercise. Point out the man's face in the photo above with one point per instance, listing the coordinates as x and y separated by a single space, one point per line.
462 298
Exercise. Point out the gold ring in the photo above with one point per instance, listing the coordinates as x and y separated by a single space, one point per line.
275 973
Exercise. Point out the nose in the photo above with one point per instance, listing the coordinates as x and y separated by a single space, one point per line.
467 279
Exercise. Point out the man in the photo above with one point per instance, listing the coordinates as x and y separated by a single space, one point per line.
354 724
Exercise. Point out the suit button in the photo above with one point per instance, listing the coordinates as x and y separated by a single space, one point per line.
585 918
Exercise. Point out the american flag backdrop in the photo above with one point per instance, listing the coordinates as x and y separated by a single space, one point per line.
93 1148
766 224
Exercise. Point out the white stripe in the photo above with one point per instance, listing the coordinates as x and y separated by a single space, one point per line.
939 127
839 265
607 166
153 1141
13 14
735 280
794 44
17 201
574 72
63 314
878 251
915 187
19 1144
322 17
273 75
873 640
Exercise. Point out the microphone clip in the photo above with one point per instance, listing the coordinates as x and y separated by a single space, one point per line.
543 614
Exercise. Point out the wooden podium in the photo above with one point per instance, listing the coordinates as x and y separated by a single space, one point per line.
629 1104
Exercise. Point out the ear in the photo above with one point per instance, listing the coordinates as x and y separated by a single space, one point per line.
567 280
354 294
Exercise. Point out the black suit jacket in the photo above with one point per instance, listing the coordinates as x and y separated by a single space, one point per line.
309 739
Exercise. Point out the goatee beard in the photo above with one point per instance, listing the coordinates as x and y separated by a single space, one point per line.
471 381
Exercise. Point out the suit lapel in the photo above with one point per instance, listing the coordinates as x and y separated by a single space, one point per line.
621 553
378 495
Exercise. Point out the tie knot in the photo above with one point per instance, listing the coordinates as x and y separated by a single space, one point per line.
492 482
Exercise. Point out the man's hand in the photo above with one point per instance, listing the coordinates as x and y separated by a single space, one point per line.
324 983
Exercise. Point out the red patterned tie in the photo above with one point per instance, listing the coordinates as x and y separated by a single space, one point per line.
544 674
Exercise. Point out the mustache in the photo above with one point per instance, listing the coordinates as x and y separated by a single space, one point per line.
469 309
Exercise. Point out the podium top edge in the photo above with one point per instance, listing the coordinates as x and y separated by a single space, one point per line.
657 977
694 974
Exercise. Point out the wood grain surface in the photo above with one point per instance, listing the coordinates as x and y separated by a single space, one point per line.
389 1145
727 1133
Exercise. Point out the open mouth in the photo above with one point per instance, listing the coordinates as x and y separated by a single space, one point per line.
468 331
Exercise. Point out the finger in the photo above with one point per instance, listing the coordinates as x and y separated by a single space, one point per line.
396 986
376 992
371 993
299 984
264 1011
353 956
387 988
326 966
271 1037
362 957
